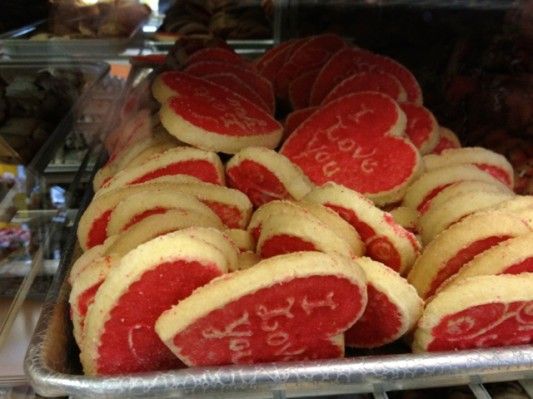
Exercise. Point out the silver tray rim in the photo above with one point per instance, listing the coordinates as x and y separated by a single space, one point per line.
349 375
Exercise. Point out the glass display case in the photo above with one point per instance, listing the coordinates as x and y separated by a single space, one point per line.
473 61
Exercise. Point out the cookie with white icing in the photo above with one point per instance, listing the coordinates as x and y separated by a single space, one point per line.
290 307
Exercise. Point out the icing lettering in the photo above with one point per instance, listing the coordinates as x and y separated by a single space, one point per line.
308 306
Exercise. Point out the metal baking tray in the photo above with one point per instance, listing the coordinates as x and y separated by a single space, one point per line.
53 368
16 43
93 73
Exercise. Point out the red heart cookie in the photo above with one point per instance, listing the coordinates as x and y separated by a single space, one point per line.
158 224
356 141
201 164
392 310
136 127
287 233
459 244
422 191
486 160
231 206
140 151
422 128
368 81
513 256
274 58
282 309
478 312
348 61
264 175
295 119
249 77
87 257
84 288
306 210
139 206
313 53
210 116
238 86
447 139
119 327
439 218
385 240
219 54
300 89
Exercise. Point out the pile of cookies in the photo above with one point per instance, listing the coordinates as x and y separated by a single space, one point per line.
357 223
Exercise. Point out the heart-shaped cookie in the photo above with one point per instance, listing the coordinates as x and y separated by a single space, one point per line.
357 141
312 54
204 165
249 77
392 310
368 81
513 256
489 161
348 61
459 244
287 233
264 175
447 139
210 116
426 187
478 312
119 327
385 240
236 85
141 205
284 308
300 89
158 224
219 54
439 218
422 127
271 62
295 119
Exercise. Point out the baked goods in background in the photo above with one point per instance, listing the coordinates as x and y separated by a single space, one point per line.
223 19
70 19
